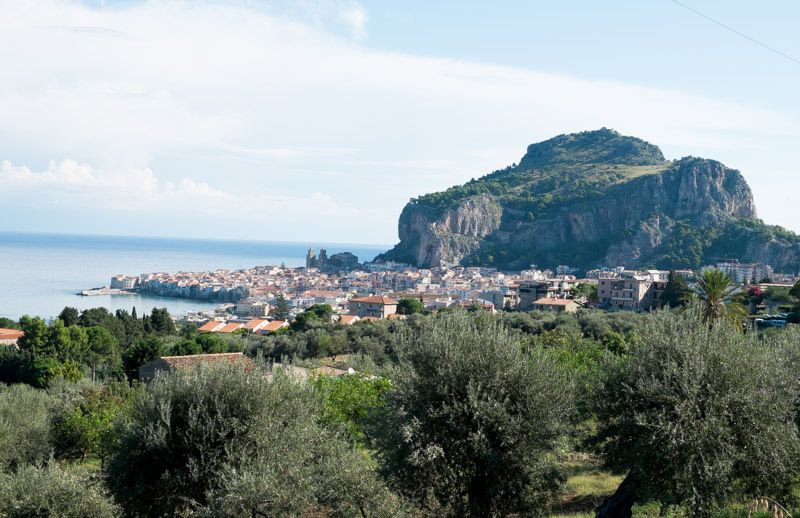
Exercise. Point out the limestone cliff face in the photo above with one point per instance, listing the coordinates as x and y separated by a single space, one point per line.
432 240
631 207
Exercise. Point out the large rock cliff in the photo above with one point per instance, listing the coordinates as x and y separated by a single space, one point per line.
592 199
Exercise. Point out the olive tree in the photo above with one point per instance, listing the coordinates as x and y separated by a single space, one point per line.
697 414
51 491
472 422
24 427
223 441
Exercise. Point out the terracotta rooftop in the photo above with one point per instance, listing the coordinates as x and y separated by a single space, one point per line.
376 299
209 327
545 301
274 325
230 328
10 334
252 324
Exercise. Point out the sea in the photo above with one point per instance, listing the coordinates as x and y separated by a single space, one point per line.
40 274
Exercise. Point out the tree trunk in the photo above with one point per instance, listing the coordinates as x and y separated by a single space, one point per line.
480 501
620 504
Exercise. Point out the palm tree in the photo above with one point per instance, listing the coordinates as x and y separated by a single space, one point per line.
715 290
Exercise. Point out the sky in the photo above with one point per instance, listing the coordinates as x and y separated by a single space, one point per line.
317 120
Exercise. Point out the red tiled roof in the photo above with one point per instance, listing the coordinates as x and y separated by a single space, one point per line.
554 302
376 299
275 325
230 328
10 334
348 319
209 327
252 324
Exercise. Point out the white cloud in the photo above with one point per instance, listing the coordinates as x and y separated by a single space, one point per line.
69 183
356 19
233 99
127 189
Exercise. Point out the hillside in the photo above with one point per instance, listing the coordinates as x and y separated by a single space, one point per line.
592 199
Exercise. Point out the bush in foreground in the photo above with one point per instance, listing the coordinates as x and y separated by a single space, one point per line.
473 420
224 442
51 491
699 414
24 427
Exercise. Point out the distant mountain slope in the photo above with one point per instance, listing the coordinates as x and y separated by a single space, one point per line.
591 199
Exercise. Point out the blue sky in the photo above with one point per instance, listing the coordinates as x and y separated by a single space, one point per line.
319 119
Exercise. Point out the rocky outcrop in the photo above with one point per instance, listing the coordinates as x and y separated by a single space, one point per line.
427 239
612 200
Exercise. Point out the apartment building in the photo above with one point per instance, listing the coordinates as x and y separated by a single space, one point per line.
376 306
632 291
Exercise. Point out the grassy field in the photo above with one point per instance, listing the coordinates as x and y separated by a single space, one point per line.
587 486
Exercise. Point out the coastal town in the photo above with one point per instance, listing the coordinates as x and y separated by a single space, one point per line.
372 290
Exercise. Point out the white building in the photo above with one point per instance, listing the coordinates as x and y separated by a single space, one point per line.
252 308
745 272
123 282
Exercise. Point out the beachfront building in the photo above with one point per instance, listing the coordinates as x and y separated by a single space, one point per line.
123 282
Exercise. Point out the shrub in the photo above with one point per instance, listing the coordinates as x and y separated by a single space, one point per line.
350 400
24 427
474 420
83 422
51 491
223 441
698 414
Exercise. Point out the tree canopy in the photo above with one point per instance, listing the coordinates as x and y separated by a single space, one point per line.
475 420
697 414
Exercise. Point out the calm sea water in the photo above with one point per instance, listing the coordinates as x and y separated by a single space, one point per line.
41 273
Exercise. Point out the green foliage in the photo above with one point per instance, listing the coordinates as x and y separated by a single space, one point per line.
36 337
686 246
24 427
410 306
140 353
162 322
85 426
7 323
305 321
699 414
52 491
225 442
102 351
676 293
778 295
715 290
795 291
323 311
475 420
351 399
281 309
331 345
69 316
93 341
586 290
